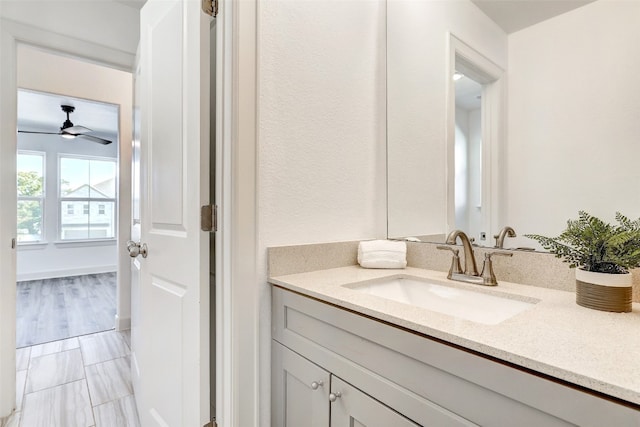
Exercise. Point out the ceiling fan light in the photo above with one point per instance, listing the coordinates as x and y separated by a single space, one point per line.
67 136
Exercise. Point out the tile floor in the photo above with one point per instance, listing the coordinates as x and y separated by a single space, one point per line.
76 382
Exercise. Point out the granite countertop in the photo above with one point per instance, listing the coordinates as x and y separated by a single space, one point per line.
556 337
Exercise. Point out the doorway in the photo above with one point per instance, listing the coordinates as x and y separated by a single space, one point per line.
67 177
74 81
27 66
474 141
82 210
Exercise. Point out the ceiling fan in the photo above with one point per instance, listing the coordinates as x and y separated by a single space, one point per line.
70 131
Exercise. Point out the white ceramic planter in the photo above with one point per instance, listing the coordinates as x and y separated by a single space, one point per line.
603 291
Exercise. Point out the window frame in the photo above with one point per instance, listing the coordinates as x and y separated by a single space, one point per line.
86 200
42 199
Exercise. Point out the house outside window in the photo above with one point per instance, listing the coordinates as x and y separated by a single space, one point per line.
70 209
30 183
87 187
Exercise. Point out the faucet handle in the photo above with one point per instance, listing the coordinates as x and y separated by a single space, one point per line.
451 248
488 255
455 261
488 276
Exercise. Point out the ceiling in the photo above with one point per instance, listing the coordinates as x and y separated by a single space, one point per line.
514 15
41 111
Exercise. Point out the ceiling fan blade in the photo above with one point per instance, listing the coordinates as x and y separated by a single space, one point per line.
41 133
76 130
95 139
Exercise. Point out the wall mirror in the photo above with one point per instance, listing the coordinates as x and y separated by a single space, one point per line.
557 130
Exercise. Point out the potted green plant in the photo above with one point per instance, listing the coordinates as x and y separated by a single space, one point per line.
604 254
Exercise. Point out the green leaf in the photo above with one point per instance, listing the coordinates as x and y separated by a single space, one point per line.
596 245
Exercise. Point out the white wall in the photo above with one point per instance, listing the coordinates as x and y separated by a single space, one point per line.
322 122
417 104
45 72
53 258
574 110
102 22
321 137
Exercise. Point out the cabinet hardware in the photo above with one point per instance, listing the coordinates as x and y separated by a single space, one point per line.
334 396
316 384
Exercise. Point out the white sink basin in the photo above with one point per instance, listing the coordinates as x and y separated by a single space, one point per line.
478 307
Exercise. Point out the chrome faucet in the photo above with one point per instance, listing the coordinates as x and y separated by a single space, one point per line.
470 274
505 232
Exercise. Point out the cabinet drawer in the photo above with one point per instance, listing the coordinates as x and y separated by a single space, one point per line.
359 350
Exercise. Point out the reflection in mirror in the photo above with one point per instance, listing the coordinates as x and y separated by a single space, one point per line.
571 109
468 155
473 137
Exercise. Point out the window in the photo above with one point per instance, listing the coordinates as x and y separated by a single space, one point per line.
87 185
30 176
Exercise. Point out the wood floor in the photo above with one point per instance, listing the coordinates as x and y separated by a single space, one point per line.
77 382
55 309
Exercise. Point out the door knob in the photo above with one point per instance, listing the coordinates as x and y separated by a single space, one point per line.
135 249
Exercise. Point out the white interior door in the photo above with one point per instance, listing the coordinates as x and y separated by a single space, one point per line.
172 342
135 229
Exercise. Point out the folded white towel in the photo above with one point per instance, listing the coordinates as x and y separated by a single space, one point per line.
382 254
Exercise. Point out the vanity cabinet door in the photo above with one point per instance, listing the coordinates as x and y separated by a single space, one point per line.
352 408
300 390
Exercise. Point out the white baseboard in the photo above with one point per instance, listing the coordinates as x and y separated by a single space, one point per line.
122 324
39 275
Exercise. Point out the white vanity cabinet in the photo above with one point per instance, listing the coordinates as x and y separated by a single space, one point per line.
301 389
382 370
307 395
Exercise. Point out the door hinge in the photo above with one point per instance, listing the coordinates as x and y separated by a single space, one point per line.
209 218
210 7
